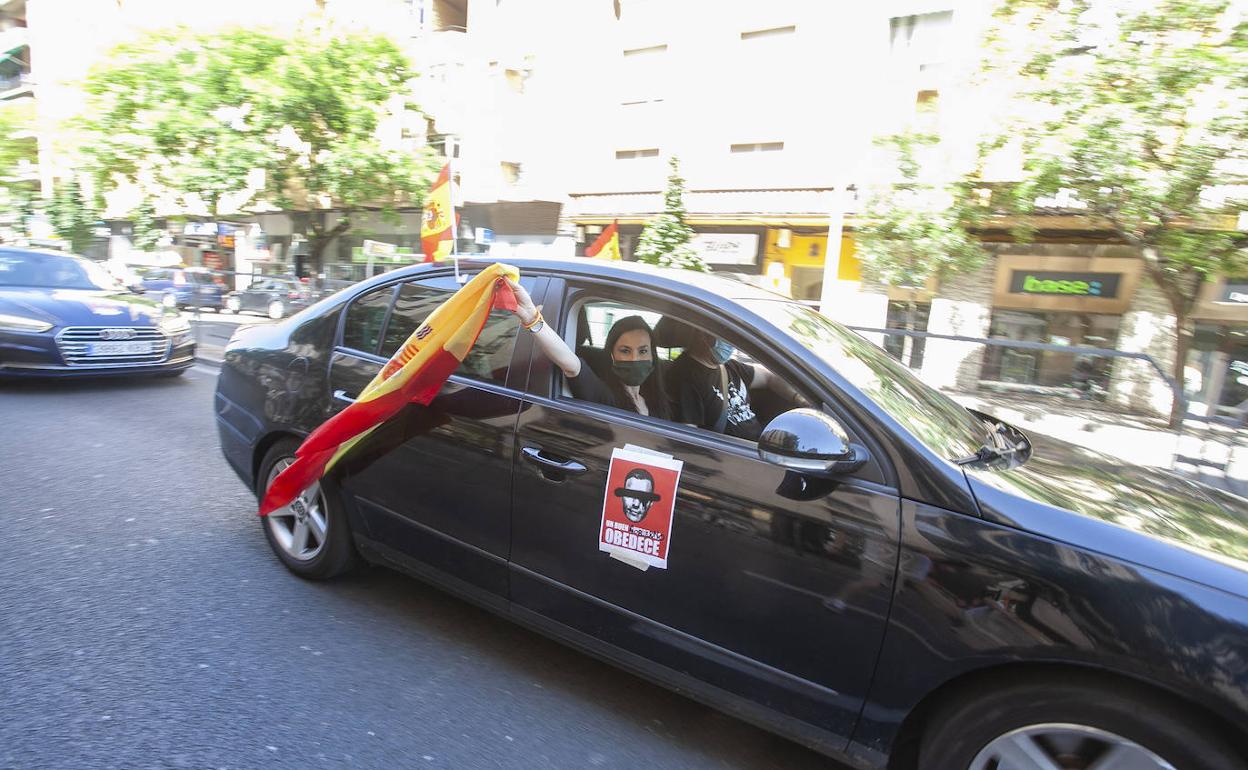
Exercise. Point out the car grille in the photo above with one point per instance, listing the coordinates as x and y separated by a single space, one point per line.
75 343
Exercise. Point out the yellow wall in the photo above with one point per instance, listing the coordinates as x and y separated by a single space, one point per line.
808 252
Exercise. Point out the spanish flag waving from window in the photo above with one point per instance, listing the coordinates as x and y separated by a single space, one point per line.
437 227
414 374
608 244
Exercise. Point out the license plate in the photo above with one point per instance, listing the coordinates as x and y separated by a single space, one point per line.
118 348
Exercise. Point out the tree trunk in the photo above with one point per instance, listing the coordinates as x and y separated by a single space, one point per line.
1183 341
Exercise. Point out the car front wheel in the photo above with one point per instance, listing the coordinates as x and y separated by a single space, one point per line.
310 535
1071 725
232 305
276 309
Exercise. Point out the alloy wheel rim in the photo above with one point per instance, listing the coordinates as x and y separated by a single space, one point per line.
1059 746
276 310
300 528
232 305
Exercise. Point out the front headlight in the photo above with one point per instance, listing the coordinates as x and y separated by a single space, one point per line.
18 323
174 325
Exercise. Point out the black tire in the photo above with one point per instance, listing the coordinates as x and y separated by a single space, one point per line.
337 556
961 730
171 375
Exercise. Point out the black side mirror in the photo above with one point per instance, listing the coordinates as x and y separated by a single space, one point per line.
811 443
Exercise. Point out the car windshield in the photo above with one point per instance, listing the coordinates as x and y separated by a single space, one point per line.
932 417
52 271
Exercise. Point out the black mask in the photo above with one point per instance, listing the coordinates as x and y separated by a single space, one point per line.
632 372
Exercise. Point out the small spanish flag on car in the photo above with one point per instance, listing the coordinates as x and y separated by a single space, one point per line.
608 244
414 374
437 227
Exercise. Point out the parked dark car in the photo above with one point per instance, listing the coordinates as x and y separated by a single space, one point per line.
886 577
274 297
64 316
179 287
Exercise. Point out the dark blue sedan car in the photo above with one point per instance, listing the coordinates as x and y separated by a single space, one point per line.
879 573
178 287
64 316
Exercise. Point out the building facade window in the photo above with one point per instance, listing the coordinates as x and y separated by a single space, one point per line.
757 147
650 152
759 34
919 47
642 75
511 172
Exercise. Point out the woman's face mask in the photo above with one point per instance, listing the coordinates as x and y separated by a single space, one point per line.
721 351
632 372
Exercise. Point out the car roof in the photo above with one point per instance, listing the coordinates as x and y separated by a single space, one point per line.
687 282
39 252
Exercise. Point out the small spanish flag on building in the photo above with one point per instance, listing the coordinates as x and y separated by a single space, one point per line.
608 244
414 374
437 228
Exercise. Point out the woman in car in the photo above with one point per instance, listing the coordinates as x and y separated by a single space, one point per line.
633 382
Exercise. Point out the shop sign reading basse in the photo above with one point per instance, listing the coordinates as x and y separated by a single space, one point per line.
1103 285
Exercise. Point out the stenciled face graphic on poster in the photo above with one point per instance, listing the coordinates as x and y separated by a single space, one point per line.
638 505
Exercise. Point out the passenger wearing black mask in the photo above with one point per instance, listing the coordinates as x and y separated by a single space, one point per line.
634 383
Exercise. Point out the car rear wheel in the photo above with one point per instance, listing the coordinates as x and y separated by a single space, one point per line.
311 535
1070 726
276 309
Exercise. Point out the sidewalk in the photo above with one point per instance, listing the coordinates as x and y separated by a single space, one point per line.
1213 454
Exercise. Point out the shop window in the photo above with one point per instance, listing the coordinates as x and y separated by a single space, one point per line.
904 348
1051 368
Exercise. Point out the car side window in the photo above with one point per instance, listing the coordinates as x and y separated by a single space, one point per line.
366 316
488 360
692 384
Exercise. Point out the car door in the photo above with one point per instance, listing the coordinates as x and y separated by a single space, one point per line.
775 590
433 484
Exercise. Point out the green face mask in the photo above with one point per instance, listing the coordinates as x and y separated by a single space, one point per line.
632 372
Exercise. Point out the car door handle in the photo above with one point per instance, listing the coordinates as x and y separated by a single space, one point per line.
341 395
552 468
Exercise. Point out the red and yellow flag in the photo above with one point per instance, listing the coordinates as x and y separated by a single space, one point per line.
608 244
437 227
414 374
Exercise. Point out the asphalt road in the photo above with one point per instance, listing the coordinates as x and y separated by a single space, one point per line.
145 624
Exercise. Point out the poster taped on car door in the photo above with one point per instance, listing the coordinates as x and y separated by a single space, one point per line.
638 505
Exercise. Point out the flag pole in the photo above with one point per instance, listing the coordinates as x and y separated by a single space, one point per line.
450 181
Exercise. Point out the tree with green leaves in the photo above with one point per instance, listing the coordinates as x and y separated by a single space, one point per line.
917 226
17 151
665 239
247 119
1138 113
72 216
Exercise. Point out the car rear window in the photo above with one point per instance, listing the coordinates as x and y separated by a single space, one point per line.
489 358
366 318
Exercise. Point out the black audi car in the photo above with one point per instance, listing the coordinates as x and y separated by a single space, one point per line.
884 575
65 316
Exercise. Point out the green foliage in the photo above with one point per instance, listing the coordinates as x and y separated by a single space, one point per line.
665 239
915 229
17 148
71 216
1144 111
248 117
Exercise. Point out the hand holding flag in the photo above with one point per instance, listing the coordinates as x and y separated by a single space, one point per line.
414 374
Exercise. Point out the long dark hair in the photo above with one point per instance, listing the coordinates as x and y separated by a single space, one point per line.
652 389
